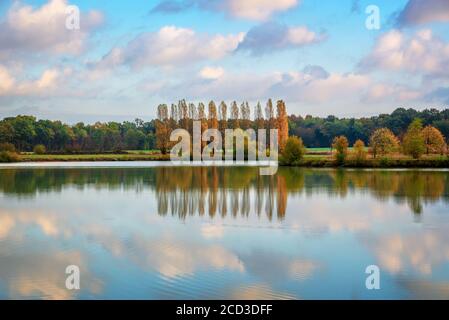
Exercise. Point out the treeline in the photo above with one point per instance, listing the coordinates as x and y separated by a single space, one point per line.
25 132
320 132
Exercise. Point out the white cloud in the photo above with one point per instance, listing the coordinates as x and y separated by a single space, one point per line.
43 29
172 46
395 93
421 53
258 9
211 72
45 84
301 35
271 36
312 85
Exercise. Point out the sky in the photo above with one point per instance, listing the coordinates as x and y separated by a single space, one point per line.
127 57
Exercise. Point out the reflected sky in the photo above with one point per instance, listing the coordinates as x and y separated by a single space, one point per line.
223 233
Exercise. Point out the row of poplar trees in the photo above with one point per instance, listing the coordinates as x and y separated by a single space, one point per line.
183 114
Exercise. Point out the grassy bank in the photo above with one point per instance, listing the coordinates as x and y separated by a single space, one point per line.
441 162
309 160
93 157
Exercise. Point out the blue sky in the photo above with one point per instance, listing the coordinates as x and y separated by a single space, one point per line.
128 57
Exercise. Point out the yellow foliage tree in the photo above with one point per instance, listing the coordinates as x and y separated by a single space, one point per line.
383 141
433 140
359 151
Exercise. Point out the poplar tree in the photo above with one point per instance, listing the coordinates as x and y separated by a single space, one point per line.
282 124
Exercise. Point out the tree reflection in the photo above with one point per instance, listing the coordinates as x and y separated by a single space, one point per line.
234 191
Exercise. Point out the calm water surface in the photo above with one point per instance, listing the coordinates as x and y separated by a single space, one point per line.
223 233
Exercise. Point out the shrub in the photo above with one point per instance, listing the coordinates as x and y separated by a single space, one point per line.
7 147
293 151
340 144
8 156
413 143
359 151
39 149
384 162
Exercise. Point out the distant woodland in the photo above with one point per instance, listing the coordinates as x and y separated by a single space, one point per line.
25 132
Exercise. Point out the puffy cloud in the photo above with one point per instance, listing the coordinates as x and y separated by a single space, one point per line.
171 46
45 84
312 85
258 10
424 11
43 29
211 72
397 93
274 36
395 51
319 87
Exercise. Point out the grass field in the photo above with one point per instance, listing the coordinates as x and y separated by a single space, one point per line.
94 157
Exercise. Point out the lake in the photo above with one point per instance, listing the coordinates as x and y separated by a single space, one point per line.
149 231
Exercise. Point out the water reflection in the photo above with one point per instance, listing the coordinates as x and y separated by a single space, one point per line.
209 232
184 191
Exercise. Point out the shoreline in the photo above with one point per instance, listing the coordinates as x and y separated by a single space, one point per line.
307 162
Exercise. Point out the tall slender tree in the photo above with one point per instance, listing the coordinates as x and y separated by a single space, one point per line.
269 115
258 117
235 115
213 115
223 116
282 124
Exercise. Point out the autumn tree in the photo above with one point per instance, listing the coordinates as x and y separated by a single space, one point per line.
213 115
413 143
223 117
282 123
269 115
340 144
193 115
359 151
162 129
258 117
183 114
383 141
203 118
433 140
245 115
235 115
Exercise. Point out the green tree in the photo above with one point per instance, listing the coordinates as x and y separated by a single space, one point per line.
293 152
24 132
413 143
134 139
